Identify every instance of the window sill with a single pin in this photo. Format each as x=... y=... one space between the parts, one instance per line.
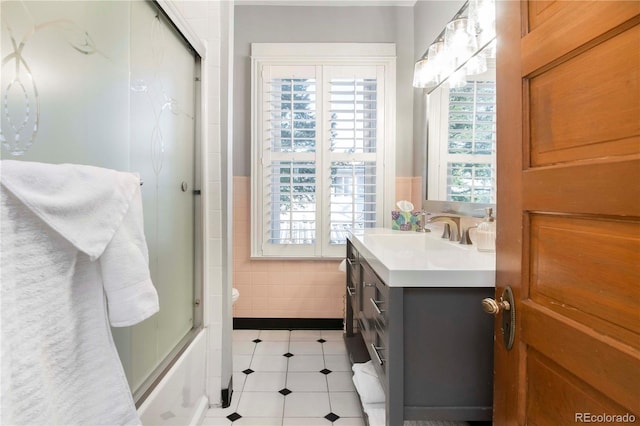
x=293 y=258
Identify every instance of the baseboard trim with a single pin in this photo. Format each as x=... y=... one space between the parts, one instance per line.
x=287 y=323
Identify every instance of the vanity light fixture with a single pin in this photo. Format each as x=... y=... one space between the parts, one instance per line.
x=482 y=20
x=459 y=42
x=421 y=77
x=455 y=52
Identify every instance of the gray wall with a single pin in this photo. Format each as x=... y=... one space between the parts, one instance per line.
x=412 y=29
x=429 y=19
x=299 y=24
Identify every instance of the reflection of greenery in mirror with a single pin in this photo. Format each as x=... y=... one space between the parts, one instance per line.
x=462 y=138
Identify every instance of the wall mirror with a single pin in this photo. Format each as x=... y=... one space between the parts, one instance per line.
x=457 y=73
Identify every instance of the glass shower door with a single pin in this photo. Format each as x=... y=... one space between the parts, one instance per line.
x=112 y=84
x=162 y=150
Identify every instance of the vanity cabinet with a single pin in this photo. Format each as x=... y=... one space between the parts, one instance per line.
x=432 y=347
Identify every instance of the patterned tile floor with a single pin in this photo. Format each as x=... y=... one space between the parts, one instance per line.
x=289 y=378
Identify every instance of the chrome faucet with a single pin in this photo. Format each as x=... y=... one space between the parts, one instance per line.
x=451 y=226
x=422 y=227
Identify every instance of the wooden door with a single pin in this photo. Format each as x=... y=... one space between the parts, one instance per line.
x=569 y=211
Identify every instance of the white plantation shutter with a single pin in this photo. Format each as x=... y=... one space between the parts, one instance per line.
x=353 y=107
x=353 y=198
x=471 y=182
x=318 y=150
x=291 y=204
x=355 y=135
x=289 y=160
x=471 y=143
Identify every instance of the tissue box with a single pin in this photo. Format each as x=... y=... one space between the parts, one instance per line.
x=405 y=221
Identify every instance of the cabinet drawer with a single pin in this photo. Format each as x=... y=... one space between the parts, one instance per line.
x=374 y=318
x=354 y=282
x=379 y=355
x=374 y=298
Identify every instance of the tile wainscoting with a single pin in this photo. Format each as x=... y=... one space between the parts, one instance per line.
x=289 y=288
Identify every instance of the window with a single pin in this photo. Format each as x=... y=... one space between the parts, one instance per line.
x=322 y=149
x=463 y=120
x=471 y=142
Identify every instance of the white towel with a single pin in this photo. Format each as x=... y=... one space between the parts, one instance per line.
x=375 y=413
x=366 y=368
x=366 y=381
x=72 y=244
x=342 y=267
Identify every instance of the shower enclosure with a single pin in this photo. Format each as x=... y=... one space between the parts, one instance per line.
x=113 y=84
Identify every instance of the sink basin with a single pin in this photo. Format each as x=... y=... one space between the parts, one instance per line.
x=413 y=242
x=424 y=259
x=427 y=249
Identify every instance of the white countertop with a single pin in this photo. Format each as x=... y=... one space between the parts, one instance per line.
x=413 y=259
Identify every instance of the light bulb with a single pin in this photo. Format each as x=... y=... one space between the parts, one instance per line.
x=459 y=42
x=440 y=62
x=482 y=19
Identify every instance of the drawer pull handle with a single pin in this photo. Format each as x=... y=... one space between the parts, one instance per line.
x=375 y=305
x=377 y=354
x=351 y=262
x=369 y=284
x=351 y=291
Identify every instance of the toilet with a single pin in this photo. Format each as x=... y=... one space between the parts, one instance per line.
x=235 y=294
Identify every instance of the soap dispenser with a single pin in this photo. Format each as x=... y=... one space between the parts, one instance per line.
x=486 y=232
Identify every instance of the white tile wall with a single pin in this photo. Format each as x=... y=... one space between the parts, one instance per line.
x=207 y=19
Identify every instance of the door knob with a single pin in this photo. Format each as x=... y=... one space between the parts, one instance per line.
x=492 y=307
x=506 y=306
